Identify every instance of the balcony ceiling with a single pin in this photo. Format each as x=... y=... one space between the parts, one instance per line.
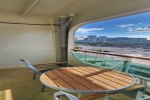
x=57 y=8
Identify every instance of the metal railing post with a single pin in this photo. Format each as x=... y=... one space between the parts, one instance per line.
x=96 y=58
x=126 y=65
x=85 y=55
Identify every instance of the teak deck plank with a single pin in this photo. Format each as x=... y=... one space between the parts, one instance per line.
x=115 y=77
x=118 y=77
x=58 y=81
x=121 y=75
x=94 y=75
x=87 y=79
x=81 y=80
x=106 y=77
x=48 y=80
x=94 y=81
x=116 y=74
x=70 y=81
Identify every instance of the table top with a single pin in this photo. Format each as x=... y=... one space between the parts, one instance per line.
x=87 y=80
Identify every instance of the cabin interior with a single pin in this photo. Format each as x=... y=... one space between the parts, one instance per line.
x=43 y=31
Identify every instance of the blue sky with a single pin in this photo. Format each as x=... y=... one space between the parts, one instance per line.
x=130 y=26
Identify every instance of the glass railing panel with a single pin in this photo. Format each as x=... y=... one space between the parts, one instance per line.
x=136 y=66
x=114 y=62
x=79 y=55
x=90 y=58
x=140 y=68
x=100 y=60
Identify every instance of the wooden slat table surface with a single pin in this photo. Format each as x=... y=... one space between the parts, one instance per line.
x=87 y=80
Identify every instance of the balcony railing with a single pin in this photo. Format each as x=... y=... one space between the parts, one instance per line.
x=137 y=66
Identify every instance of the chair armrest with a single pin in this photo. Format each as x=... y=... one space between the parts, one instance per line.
x=60 y=93
x=20 y=62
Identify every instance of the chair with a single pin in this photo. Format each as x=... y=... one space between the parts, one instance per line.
x=35 y=70
x=134 y=88
x=60 y=93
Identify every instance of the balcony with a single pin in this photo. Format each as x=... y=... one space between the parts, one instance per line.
x=17 y=83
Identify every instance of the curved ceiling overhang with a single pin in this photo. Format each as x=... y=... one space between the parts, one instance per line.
x=86 y=11
x=56 y=8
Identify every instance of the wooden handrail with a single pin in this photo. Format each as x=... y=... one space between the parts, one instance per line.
x=120 y=55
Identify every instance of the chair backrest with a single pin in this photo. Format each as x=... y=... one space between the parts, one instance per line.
x=29 y=65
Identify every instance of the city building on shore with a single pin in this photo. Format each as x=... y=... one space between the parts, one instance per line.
x=102 y=39
x=92 y=38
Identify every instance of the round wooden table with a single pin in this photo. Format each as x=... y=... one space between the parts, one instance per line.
x=87 y=80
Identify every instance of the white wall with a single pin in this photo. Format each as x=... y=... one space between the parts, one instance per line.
x=30 y=42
